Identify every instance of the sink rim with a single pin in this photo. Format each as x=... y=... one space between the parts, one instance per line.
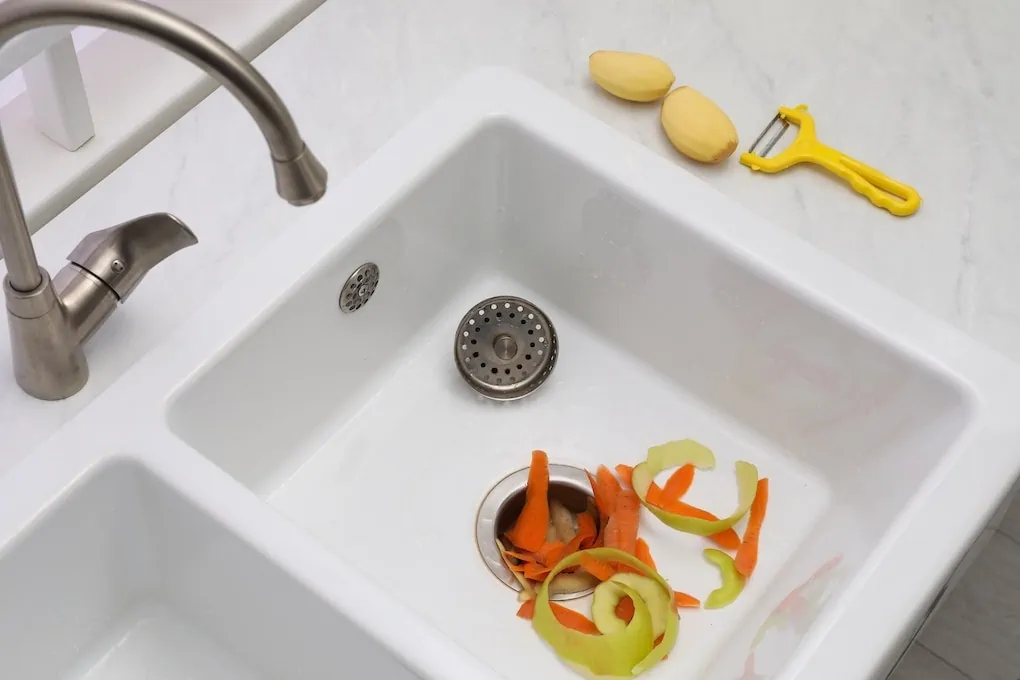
x=877 y=606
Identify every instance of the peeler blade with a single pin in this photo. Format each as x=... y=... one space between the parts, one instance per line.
x=784 y=126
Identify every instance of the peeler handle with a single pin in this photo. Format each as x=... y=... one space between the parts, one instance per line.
x=883 y=191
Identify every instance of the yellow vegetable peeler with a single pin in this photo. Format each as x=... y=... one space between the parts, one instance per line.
x=898 y=198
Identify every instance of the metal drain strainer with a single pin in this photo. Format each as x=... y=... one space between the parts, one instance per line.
x=359 y=288
x=505 y=348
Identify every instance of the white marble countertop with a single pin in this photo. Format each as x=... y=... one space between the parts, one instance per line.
x=922 y=90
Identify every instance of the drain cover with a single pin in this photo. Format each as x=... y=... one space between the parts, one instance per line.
x=359 y=288
x=505 y=348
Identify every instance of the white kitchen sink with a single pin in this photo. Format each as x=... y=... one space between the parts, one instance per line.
x=125 y=578
x=344 y=452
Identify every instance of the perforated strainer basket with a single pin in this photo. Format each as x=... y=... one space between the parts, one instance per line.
x=505 y=348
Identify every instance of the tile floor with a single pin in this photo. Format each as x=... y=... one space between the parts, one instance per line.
x=975 y=635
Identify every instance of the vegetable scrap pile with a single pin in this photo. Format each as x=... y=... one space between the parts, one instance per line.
x=634 y=622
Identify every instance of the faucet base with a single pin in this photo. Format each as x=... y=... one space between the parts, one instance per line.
x=48 y=360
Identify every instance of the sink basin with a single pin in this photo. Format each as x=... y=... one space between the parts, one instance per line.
x=126 y=578
x=337 y=434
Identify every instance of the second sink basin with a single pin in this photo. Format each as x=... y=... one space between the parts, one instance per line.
x=336 y=402
x=125 y=578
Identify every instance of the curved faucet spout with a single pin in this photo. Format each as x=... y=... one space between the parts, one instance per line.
x=49 y=323
x=178 y=35
x=300 y=178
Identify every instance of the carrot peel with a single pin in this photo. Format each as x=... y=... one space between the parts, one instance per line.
x=685 y=600
x=574 y=620
x=527 y=610
x=654 y=493
x=726 y=539
x=600 y=569
x=550 y=553
x=624 y=609
x=680 y=453
x=624 y=472
x=644 y=554
x=747 y=554
x=678 y=483
x=609 y=488
x=566 y=616
x=535 y=571
x=622 y=528
x=522 y=556
x=587 y=532
x=528 y=532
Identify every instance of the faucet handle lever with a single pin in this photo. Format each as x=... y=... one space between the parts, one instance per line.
x=123 y=254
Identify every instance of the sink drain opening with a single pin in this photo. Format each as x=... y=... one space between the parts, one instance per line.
x=568 y=487
x=505 y=347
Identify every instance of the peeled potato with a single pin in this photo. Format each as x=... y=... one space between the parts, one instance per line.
x=697 y=127
x=563 y=522
x=631 y=76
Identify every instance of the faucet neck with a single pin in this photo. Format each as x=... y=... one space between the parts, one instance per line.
x=299 y=176
x=49 y=323
x=15 y=240
x=177 y=35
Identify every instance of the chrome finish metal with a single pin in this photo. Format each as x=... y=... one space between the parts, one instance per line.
x=300 y=180
x=49 y=362
x=505 y=348
x=503 y=503
x=359 y=288
x=120 y=256
x=87 y=300
x=49 y=322
x=15 y=239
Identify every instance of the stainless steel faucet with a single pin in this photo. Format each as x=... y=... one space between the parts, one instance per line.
x=50 y=320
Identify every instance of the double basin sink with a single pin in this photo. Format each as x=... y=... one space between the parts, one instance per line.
x=287 y=487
